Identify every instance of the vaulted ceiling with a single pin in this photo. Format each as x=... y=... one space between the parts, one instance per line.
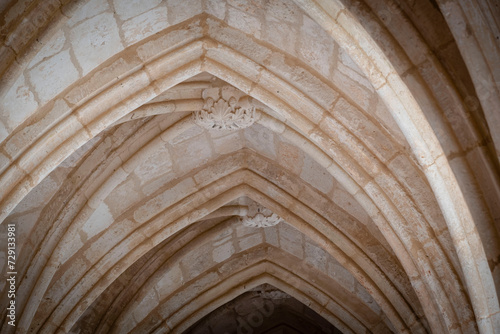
x=369 y=128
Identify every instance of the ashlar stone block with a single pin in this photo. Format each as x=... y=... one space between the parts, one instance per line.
x=95 y=40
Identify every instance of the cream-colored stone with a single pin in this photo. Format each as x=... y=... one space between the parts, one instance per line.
x=95 y=40
x=130 y=8
x=281 y=35
x=291 y=240
x=43 y=76
x=261 y=140
x=169 y=281
x=85 y=10
x=18 y=103
x=145 y=25
x=181 y=10
x=148 y=302
x=316 y=175
x=290 y=157
x=100 y=220
x=223 y=252
x=3 y=134
x=156 y=164
x=228 y=144
x=244 y=21
x=54 y=46
x=191 y=153
x=168 y=197
x=39 y=195
x=250 y=241
x=316 y=47
x=216 y=8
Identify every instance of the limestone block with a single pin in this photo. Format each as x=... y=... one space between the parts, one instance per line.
x=341 y=275
x=158 y=183
x=188 y=134
x=359 y=161
x=216 y=8
x=197 y=261
x=228 y=144
x=191 y=153
x=107 y=245
x=282 y=11
x=54 y=46
x=242 y=230
x=407 y=174
x=39 y=195
x=130 y=8
x=123 y=196
x=315 y=255
x=362 y=96
x=219 y=168
x=290 y=157
x=244 y=21
x=223 y=252
x=233 y=38
x=281 y=35
x=348 y=203
x=250 y=241
x=4 y=161
x=185 y=296
x=271 y=236
x=169 y=41
x=367 y=298
x=3 y=134
x=157 y=163
x=103 y=77
x=164 y=200
x=291 y=240
x=235 y=61
x=18 y=104
x=385 y=119
x=181 y=10
x=351 y=70
x=317 y=176
x=316 y=47
x=145 y=25
x=14 y=11
x=342 y=313
x=128 y=324
x=98 y=221
x=95 y=40
x=53 y=75
x=222 y=237
x=318 y=95
x=363 y=128
x=169 y=281
x=80 y=11
x=24 y=226
x=147 y=303
x=261 y=140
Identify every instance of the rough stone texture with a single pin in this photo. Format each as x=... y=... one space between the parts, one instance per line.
x=374 y=141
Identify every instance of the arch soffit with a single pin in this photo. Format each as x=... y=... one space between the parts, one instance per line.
x=224 y=195
x=157 y=266
x=212 y=64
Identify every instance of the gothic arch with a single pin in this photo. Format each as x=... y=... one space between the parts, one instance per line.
x=447 y=243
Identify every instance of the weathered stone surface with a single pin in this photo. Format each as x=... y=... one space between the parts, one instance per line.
x=373 y=140
x=95 y=40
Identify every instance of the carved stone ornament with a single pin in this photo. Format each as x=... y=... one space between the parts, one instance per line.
x=262 y=218
x=225 y=108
